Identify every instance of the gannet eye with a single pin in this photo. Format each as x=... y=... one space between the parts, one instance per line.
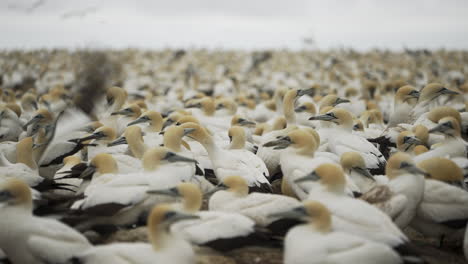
x=5 y=196
x=331 y=114
x=404 y=164
x=169 y=215
x=448 y=124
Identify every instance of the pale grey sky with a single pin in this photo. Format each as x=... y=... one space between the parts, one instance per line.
x=247 y=24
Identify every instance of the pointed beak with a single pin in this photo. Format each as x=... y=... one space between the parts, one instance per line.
x=439 y=128
x=124 y=112
x=325 y=117
x=88 y=172
x=172 y=192
x=365 y=172
x=448 y=91
x=188 y=131
x=295 y=213
x=178 y=216
x=33 y=121
x=140 y=120
x=167 y=123
x=303 y=92
x=96 y=135
x=281 y=143
x=119 y=141
x=173 y=157
x=411 y=141
x=415 y=170
x=340 y=101
x=414 y=94
x=309 y=177
x=244 y=122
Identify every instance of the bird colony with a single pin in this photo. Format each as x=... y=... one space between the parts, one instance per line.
x=321 y=157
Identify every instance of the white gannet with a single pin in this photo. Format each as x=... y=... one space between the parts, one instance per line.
x=26 y=238
x=443 y=210
x=348 y=214
x=216 y=229
x=401 y=196
x=317 y=241
x=164 y=247
x=257 y=206
x=341 y=140
x=226 y=163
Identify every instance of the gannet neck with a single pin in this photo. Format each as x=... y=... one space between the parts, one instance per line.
x=24 y=153
x=288 y=106
x=136 y=144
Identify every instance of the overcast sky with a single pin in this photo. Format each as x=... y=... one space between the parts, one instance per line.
x=247 y=24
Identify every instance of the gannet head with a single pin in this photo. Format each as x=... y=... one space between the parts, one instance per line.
x=152 y=117
x=421 y=132
x=371 y=117
x=198 y=132
x=434 y=90
x=332 y=100
x=159 y=221
x=353 y=161
x=406 y=140
x=132 y=111
x=313 y=212
x=42 y=117
x=279 y=123
x=207 y=104
x=306 y=107
x=116 y=96
x=448 y=126
x=237 y=185
x=237 y=120
x=91 y=127
x=161 y=155
x=420 y=149
x=300 y=139
x=227 y=104
x=173 y=137
x=407 y=94
x=103 y=133
x=328 y=175
x=341 y=117
x=103 y=163
x=357 y=125
x=443 y=111
x=15 y=192
x=401 y=163
x=172 y=118
x=442 y=169
x=237 y=137
x=271 y=105
x=15 y=108
x=28 y=102
x=190 y=193
x=351 y=92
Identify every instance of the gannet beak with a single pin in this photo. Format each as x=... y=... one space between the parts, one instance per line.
x=295 y=213
x=364 y=172
x=33 y=121
x=325 y=117
x=124 y=112
x=167 y=123
x=281 y=143
x=119 y=141
x=88 y=172
x=411 y=141
x=412 y=169
x=173 y=192
x=340 y=101
x=245 y=122
x=305 y=92
x=140 y=120
x=309 y=177
x=414 y=94
x=5 y=196
x=96 y=135
x=172 y=157
x=188 y=131
x=35 y=146
x=177 y=216
x=439 y=128
x=447 y=91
